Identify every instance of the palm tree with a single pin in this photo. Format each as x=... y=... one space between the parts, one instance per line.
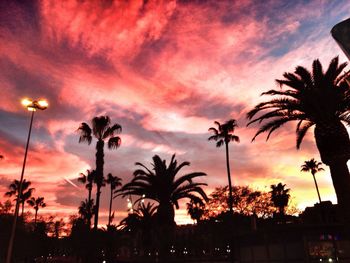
x=314 y=98
x=195 y=210
x=142 y=218
x=36 y=203
x=85 y=210
x=280 y=197
x=114 y=182
x=88 y=180
x=26 y=191
x=160 y=185
x=224 y=135
x=313 y=166
x=101 y=130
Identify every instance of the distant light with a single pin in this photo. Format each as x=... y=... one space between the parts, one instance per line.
x=330 y=260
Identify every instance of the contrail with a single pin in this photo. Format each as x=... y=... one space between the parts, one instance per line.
x=70 y=182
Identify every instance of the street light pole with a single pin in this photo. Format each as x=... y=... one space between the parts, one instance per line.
x=31 y=106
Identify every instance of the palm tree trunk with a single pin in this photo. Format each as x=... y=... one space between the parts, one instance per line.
x=230 y=201
x=110 y=208
x=97 y=206
x=35 y=217
x=341 y=182
x=89 y=212
x=318 y=192
x=99 y=179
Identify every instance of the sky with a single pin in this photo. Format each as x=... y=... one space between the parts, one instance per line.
x=164 y=71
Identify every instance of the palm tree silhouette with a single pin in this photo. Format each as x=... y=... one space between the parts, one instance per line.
x=141 y=218
x=88 y=180
x=160 y=185
x=85 y=210
x=314 y=98
x=280 y=197
x=224 y=135
x=114 y=182
x=102 y=130
x=26 y=191
x=36 y=203
x=195 y=210
x=313 y=166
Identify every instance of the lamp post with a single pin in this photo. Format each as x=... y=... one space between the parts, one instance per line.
x=31 y=105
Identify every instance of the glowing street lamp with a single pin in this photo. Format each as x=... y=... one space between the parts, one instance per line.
x=31 y=105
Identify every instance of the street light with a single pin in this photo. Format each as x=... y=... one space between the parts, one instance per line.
x=31 y=105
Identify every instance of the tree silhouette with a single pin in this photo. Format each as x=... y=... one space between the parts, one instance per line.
x=313 y=166
x=26 y=191
x=195 y=210
x=160 y=185
x=101 y=130
x=88 y=179
x=280 y=197
x=113 y=182
x=224 y=135
x=314 y=98
x=36 y=203
x=85 y=210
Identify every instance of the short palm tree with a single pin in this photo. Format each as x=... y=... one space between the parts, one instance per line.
x=195 y=210
x=280 y=197
x=88 y=180
x=224 y=135
x=319 y=99
x=313 y=166
x=102 y=130
x=113 y=182
x=36 y=203
x=26 y=191
x=85 y=210
x=161 y=185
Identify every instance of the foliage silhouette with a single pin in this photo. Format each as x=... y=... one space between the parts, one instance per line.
x=113 y=182
x=246 y=201
x=224 y=135
x=314 y=98
x=313 y=166
x=36 y=203
x=162 y=186
x=102 y=130
x=88 y=179
x=195 y=210
x=280 y=197
x=26 y=191
x=85 y=210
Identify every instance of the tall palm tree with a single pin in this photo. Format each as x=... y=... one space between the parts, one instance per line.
x=102 y=130
x=280 y=197
x=313 y=166
x=36 y=203
x=26 y=191
x=314 y=98
x=113 y=182
x=161 y=185
x=224 y=135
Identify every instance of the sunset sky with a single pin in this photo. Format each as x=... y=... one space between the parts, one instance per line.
x=165 y=71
